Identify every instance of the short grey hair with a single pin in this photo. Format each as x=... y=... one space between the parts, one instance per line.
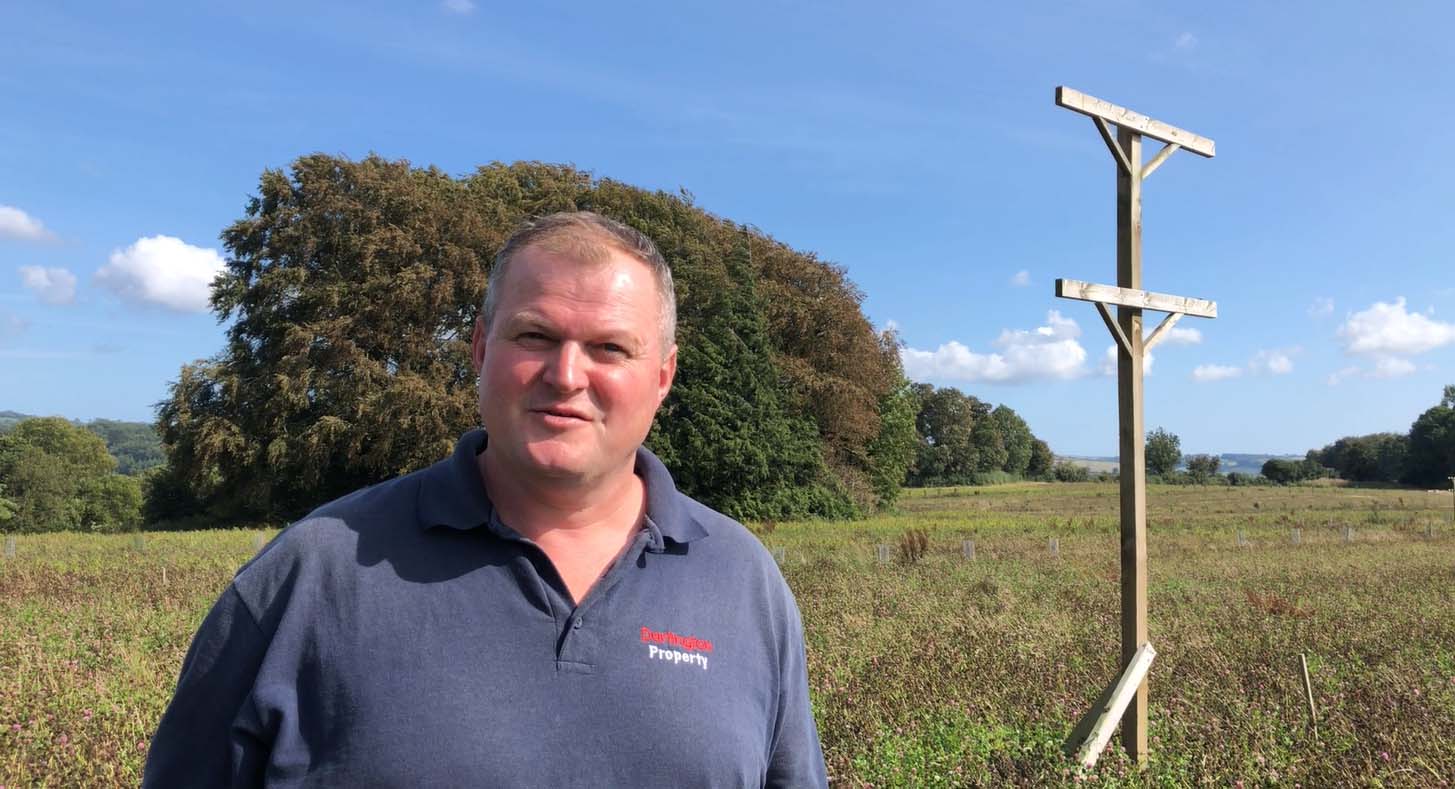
x=588 y=237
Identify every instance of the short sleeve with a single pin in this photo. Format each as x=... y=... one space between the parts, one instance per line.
x=201 y=740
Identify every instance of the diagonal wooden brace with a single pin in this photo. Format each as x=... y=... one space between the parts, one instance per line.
x=1092 y=733
x=1116 y=150
x=1115 y=328
x=1160 y=333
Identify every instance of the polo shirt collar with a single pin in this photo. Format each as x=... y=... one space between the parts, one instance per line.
x=452 y=494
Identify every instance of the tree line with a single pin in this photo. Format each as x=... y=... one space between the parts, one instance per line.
x=1424 y=456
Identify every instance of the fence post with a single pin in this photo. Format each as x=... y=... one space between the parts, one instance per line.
x=1296 y=536
x=1242 y=539
x=138 y=542
x=1055 y=547
x=9 y=547
x=882 y=553
x=967 y=549
x=1348 y=533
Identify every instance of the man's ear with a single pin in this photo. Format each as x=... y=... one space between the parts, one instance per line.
x=666 y=374
x=477 y=345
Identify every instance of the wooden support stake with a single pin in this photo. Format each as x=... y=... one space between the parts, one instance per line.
x=1308 y=692
x=882 y=553
x=1295 y=536
x=1091 y=735
x=1055 y=547
x=967 y=549
x=9 y=547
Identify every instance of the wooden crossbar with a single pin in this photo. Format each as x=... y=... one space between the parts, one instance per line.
x=1077 y=101
x=1130 y=297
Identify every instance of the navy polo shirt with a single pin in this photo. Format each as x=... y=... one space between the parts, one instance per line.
x=404 y=636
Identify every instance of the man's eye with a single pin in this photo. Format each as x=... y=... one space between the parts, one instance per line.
x=532 y=338
x=612 y=349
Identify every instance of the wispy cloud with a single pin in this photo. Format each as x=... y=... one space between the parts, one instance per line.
x=1215 y=372
x=1180 y=336
x=15 y=223
x=1272 y=362
x=1021 y=279
x=11 y=326
x=162 y=271
x=461 y=7
x=1185 y=41
x=1322 y=307
x=1046 y=352
x=50 y=285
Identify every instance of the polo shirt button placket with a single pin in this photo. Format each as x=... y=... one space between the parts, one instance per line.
x=576 y=625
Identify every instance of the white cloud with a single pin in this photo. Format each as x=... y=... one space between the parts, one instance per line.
x=461 y=7
x=1389 y=329
x=1347 y=372
x=1322 y=307
x=1180 y=336
x=1392 y=367
x=164 y=271
x=1215 y=372
x=1273 y=362
x=1186 y=41
x=15 y=223
x=51 y=285
x=1046 y=352
x=891 y=325
x=1021 y=279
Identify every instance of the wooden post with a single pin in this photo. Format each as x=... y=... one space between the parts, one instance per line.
x=1127 y=329
x=967 y=549
x=882 y=553
x=9 y=547
x=1133 y=437
x=1295 y=535
x=1054 y=546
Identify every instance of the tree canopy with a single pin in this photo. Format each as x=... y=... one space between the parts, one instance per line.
x=55 y=476
x=351 y=288
x=1164 y=452
x=962 y=439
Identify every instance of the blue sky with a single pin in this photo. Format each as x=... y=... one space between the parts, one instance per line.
x=917 y=145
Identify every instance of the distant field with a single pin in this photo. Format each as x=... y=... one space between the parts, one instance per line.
x=939 y=673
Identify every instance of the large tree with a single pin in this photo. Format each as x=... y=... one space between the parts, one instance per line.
x=725 y=425
x=350 y=290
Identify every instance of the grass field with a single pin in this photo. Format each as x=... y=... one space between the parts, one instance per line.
x=941 y=672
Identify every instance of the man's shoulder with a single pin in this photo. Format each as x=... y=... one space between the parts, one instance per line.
x=327 y=543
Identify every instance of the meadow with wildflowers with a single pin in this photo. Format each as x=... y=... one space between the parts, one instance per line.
x=930 y=668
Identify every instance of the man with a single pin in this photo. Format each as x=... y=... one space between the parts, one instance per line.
x=541 y=609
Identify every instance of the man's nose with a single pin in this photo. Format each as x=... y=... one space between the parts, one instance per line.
x=566 y=368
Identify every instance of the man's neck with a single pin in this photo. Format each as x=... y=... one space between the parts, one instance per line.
x=536 y=506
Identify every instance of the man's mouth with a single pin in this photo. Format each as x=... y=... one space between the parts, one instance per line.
x=562 y=413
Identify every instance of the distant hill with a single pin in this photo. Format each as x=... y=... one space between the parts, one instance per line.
x=135 y=445
x=1241 y=462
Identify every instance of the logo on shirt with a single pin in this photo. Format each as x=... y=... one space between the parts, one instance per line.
x=675 y=649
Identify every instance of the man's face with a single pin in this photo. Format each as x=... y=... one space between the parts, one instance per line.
x=572 y=369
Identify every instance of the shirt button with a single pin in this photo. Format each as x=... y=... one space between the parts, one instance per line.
x=577 y=624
